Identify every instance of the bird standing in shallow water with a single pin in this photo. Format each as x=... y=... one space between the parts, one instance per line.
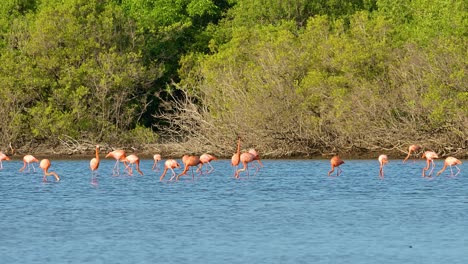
x=429 y=156
x=170 y=164
x=383 y=159
x=206 y=159
x=257 y=158
x=157 y=159
x=3 y=157
x=245 y=158
x=450 y=161
x=27 y=160
x=236 y=157
x=189 y=161
x=94 y=163
x=45 y=165
x=118 y=155
x=335 y=162
x=132 y=160
x=413 y=149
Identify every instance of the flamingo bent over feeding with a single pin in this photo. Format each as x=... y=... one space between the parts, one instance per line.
x=257 y=158
x=44 y=165
x=206 y=159
x=27 y=160
x=189 y=161
x=429 y=156
x=335 y=162
x=170 y=164
x=450 y=161
x=132 y=160
x=118 y=155
x=157 y=159
x=413 y=149
x=383 y=159
x=245 y=158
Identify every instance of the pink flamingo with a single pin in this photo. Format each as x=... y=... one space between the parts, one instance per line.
x=27 y=160
x=412 y=149
x=450 y=161
x=236 y=157
x=257 y=158
x=3 y=157
x=189 y=161
x=429 y=156
x=44 y=165
x=132 y=160
x=94 y=163
x=383 y=159
x=335 y=162
x=118 y=155
x=170 y=164
x=157 y=159
x=245 y=158
x=205 y=159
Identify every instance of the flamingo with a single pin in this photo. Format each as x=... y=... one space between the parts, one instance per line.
x=412 y=149
x=27 y=160
x=257 y=158
x=170 y=164
x=157 y=159
x=189 y=161
x=205 y=159
x=429 y=156
x=118 y=155
x=335 y=162
x=44 y=165
x=3 y=157
x=236 y=157
x=132 y=159
x=383 y=159
x=94 y=163
x=450 y=161
x=245 y=158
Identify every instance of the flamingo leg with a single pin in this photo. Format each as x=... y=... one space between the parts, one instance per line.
x=338 y=171
x=457 y=169
x=432 y=168
x=211 y=170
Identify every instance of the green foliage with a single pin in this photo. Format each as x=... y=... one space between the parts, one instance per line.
x=290 y=76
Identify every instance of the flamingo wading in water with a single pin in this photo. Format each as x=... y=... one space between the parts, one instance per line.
x=235 y=160
x=383 y=159
x=429 y=156
x=27 y=160
x=94 y=163
x=132 y=160
x=206 y=159
x=450 y=161
x=245 y=158
x=170 y=164
x=118 y=155
x=335 y=162
x=189 y=161
x=45 y=165
x=157 y=159
x=257 y=158
x=3 y=157
x=412 y=150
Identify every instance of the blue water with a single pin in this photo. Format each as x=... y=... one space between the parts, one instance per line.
x=290 y=212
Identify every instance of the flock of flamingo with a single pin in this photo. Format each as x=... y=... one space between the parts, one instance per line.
x=245 y=158
x=413 y=150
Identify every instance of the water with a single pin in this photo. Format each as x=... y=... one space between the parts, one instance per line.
x=290 y=212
